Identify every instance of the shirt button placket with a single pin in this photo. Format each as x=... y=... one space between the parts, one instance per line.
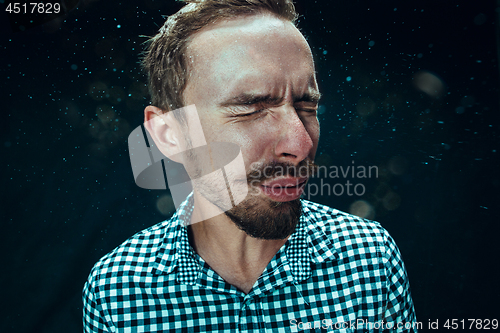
x=243 y=320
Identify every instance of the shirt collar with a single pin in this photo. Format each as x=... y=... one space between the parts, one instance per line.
x=318 y=226
x=175 y=249
x=309 y=244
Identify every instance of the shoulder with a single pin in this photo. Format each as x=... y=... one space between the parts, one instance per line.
x=135 y=256
x=338 y=224
x=345 y=232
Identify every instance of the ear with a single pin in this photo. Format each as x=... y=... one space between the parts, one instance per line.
x=165 y=131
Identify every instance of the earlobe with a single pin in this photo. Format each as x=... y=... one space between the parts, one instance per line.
x=164 y=130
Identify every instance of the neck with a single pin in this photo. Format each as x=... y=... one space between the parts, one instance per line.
x=238 y=258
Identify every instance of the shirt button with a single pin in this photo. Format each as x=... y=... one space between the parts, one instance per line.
x=245 y=304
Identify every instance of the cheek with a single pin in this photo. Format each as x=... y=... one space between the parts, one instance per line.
x=254 y=141
x=314 y=133
x=251 y=142
x=312 y=128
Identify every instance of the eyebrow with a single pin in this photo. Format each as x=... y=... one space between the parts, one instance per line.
x=312 y=96
x=251 y=99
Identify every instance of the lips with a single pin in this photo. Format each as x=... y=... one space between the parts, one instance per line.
x=284 y=189
x=285 y=182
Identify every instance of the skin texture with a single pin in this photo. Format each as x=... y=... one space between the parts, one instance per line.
x=253 y=83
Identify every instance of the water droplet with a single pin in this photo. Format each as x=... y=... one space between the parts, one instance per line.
x=480 y=19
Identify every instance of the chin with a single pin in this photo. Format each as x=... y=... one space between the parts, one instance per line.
x=266 y=219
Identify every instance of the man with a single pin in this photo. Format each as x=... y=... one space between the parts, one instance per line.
x=271 y=262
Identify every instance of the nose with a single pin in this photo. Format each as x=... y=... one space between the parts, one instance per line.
x=294 y=142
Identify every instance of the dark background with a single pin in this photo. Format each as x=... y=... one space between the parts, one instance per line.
x=71 y=91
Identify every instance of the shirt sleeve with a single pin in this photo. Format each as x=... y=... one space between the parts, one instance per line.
x=93 y=319
x=399 y=311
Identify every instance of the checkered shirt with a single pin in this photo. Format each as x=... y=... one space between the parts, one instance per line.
x=336 y=273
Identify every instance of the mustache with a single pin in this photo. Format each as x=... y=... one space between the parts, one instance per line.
x=261 y=172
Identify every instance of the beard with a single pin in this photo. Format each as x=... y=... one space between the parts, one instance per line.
x=257 y=215
x=262 y=218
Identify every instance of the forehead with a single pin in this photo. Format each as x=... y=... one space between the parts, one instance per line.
x=243 y=31
x=250 y=50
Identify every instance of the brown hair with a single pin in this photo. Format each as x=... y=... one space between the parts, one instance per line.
x=164 y=58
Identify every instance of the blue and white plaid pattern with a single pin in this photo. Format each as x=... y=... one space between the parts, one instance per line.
x=336 y=270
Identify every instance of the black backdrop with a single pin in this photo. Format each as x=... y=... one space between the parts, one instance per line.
x=72 y=91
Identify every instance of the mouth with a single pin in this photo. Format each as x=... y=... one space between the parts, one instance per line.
x=284 y=189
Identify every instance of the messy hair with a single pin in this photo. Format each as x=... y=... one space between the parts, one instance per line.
x=164 y=59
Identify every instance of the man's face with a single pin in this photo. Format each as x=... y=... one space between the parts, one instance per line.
x=253 y=83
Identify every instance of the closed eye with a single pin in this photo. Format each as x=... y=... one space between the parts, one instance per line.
x=307 y=112
x=256 y=112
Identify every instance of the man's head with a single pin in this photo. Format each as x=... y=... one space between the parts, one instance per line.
x=250 y=73
x=166 y=62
